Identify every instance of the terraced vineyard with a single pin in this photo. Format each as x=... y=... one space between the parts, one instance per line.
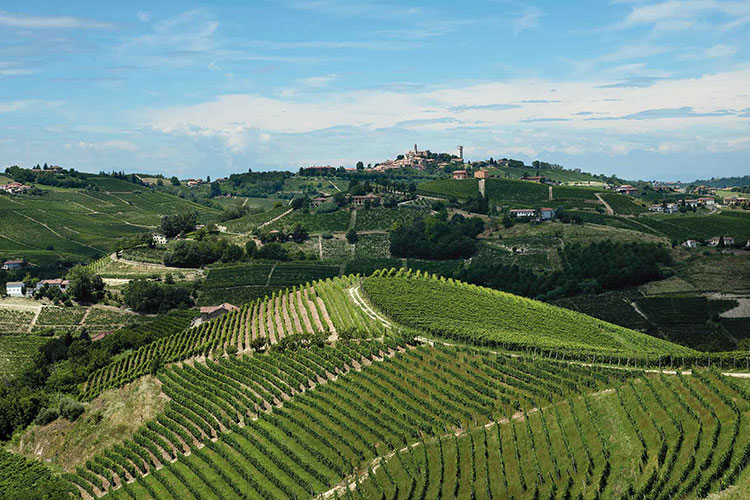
x=657 y=437
x=295 y=424
x=325 y=307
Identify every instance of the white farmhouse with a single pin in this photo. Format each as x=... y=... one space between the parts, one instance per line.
x=14 y=288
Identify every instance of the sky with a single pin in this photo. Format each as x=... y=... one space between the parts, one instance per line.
x=645 y=90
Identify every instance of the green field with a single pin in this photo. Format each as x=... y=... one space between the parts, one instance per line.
x=448 y=188
x=622 y=204
x=83 y=224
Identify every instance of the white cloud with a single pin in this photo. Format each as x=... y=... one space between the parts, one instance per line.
x=318 y=81
x=144 y=16
x=661 y=108
x=113 y=145
x=50 y=22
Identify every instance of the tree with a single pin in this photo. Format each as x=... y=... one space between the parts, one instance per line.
x=85 y=286
x=272 y=251
x=352 y=237
x=174 y=180
x=250 y=249
x=173 y=225
x=299 y=233
x=360 y=165
x=145 y=296
x=232 y=253
x=215 y=190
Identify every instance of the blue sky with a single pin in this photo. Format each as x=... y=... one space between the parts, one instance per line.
x=642 y=89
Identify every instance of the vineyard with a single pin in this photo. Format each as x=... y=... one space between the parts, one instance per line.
x=325 y=307
x=283 y=431
x=247 y=282
x=658 y=437
x=469 y=313
x=385 y=218
x=16 y=352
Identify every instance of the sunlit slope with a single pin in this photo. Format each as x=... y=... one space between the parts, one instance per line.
x=464 y=312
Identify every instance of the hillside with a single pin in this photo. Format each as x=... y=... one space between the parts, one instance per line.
x=468 y=313
x=323 y=388
x=76 y=224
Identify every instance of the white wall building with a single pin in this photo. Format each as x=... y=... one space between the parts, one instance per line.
x=14 y=288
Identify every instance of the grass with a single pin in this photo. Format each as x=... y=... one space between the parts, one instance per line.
x=249 y=222
x=717 y=273
x=622 y=204
x=681 y=227
x=60 y=316
x=448 y=188
x=108 y=419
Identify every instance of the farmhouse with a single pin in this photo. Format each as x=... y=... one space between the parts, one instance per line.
x=523 y=212
x=690 y=244
x=691 y=203
x=716 y=241
x=735 y=200
x=708 y=201
x=656 y=208
x=459 y=175
x=159 y=239
x=362 y=200
x=60 y=284
x=535 y=178
x=211 y=312
x=482 y=174
x=14 y=288
x=627 y=189
x=11 y=265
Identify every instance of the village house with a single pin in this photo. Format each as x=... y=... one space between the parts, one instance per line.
x=707 y=201
x=459 y=175
x=11 y=265
x=482 y=174
x=690 y=244
x=628 y=190
x=359 y=201
x=58 y=283
x=523 y=212
x=535 y=178
x=735 y=200
x=15 y=188
x=656 y=208
x=159 y=239
x=691 y=203
x=716 y=241
x=211 y=312
x=547 y=213
x=14 y=288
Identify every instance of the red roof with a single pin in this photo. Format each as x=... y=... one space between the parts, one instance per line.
x=57 y=281
x=212 y=309
x=13 y=262
x=547 y=209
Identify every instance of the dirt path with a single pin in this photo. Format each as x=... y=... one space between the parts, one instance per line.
x=550 y=193
x=606 y=205
x=352 y=220
x=277 y=218
x=320 y=246
x=273 y=268
x=303 y=312
x=334 y=334
x=334 y=186
x=369 y=311
x=314 y=312
x=292 y=308
x=85 y=316
x=482 y=187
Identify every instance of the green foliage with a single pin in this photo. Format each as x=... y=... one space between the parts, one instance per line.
x=180 y=223
x=146 y=296
x=431 y=238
